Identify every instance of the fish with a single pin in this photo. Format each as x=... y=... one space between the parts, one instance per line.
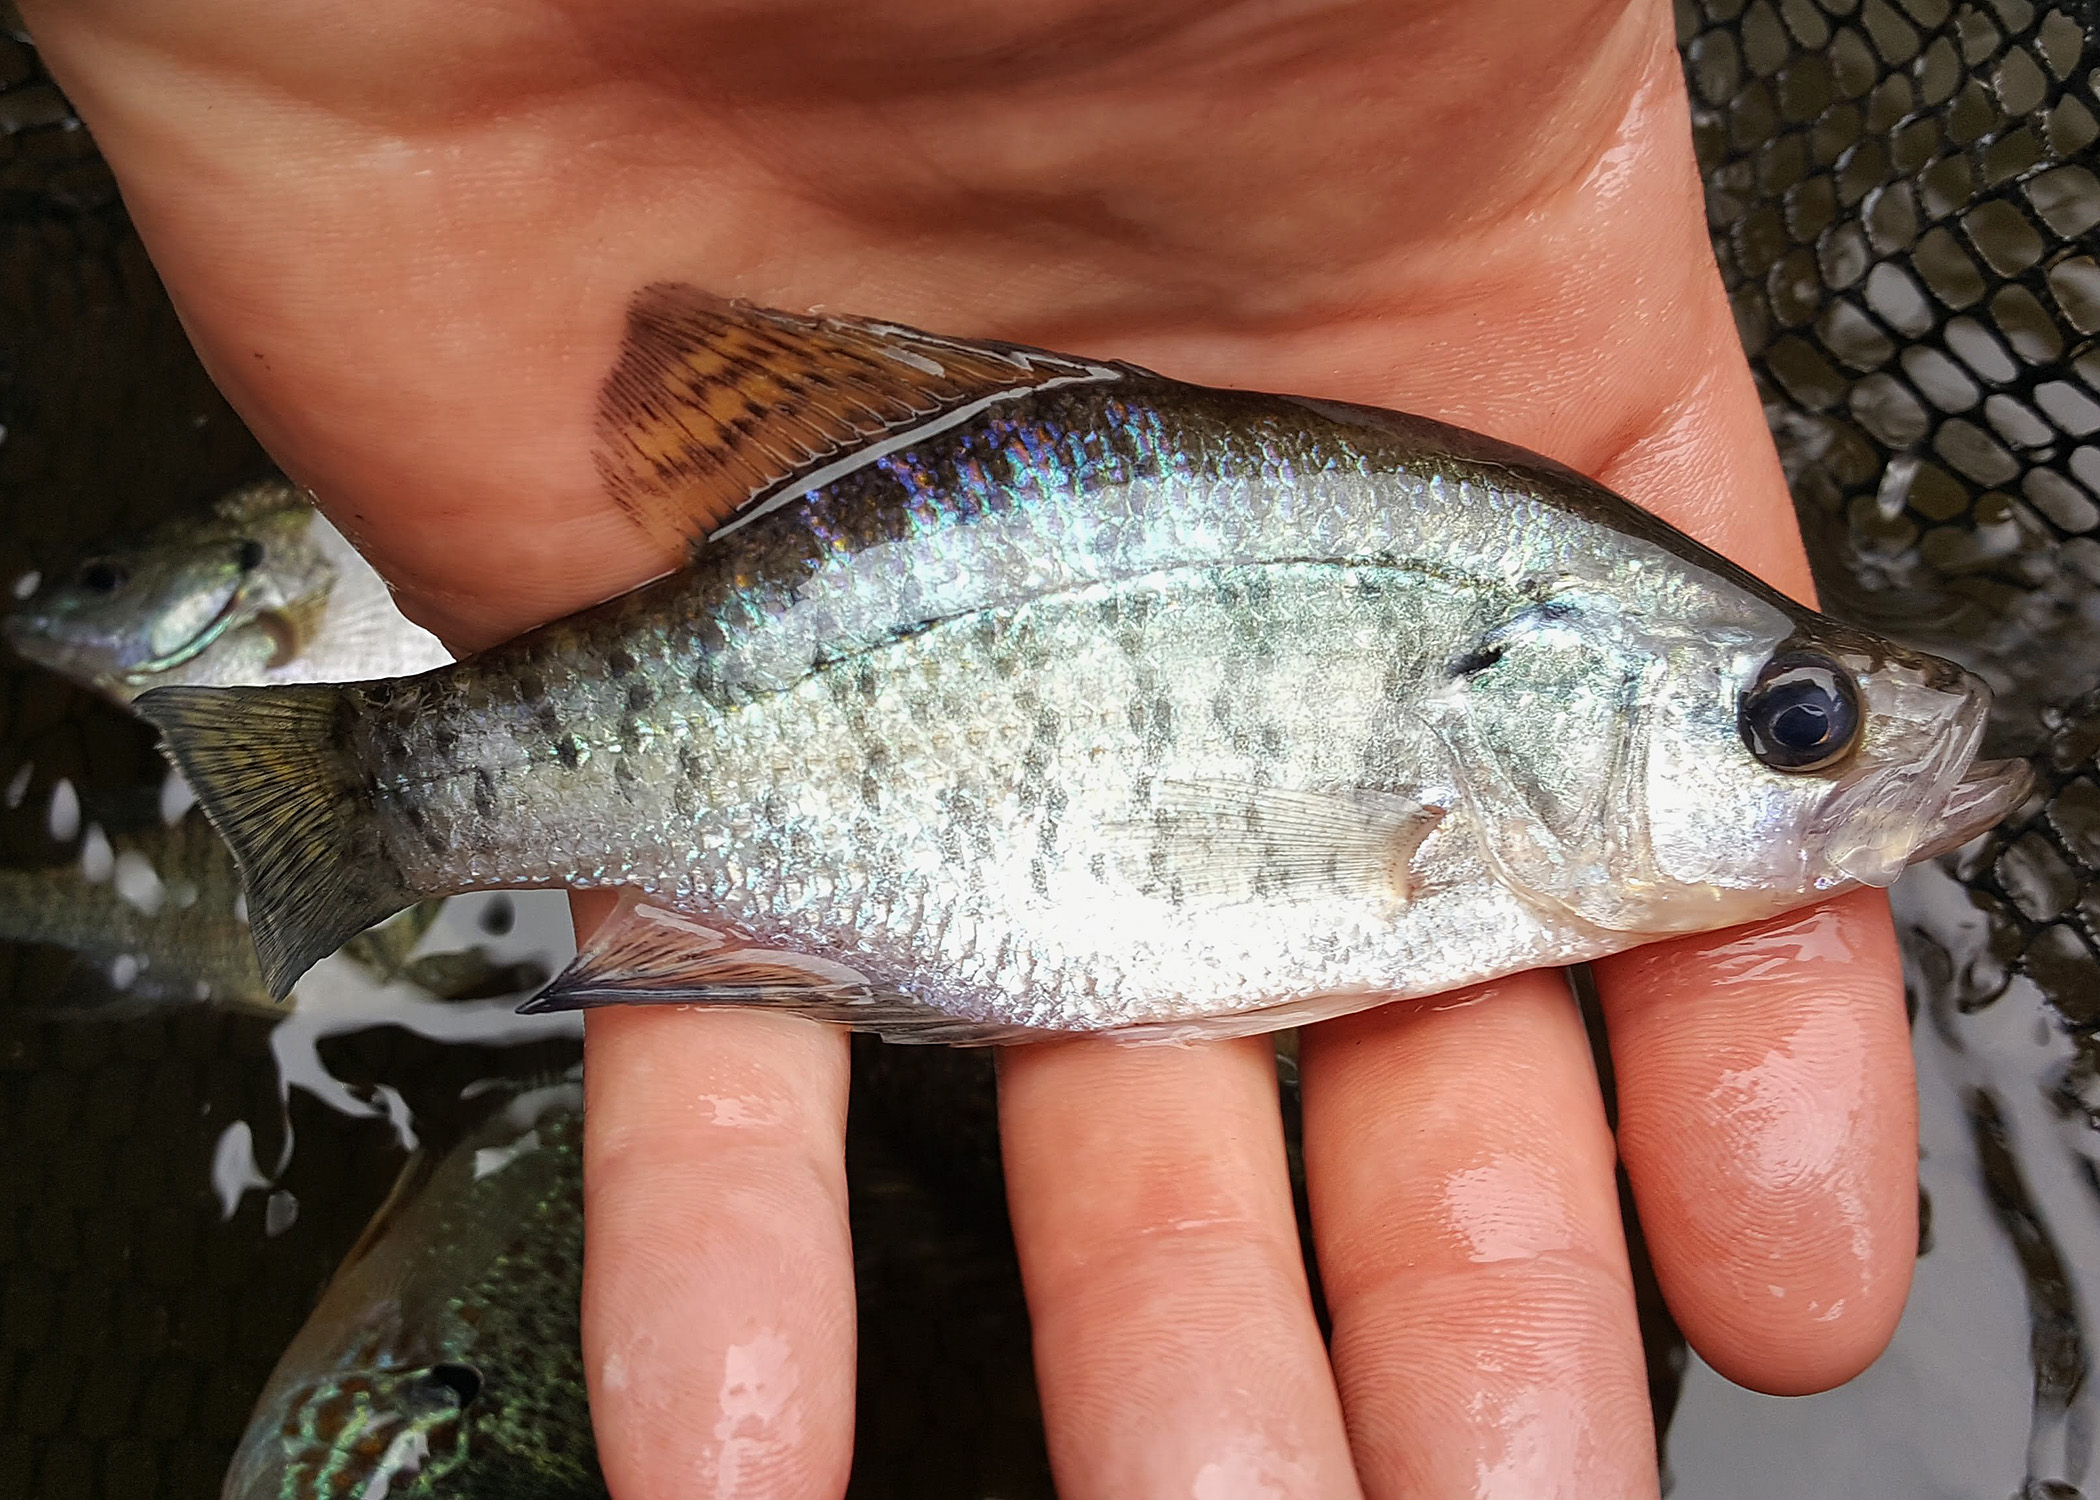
x=443 y=1361
x=258 y=588
x=445 y=1358
x=157 y=910
x=1006 y=693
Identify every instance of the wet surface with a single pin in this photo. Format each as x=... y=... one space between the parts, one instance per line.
x=1906 y=208
x=181 y=1180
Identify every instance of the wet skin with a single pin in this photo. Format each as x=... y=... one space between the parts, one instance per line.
x=404 y=235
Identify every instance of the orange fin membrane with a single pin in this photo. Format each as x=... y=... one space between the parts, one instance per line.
x=651 y=953
x=718 y=411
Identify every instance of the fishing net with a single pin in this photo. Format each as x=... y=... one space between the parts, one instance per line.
x=1903 y=198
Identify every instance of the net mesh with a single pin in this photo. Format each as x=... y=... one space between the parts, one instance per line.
x=1903 y=203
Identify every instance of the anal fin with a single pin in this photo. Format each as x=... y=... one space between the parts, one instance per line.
x=649 y=952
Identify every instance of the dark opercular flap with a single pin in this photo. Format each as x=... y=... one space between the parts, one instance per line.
x=717 y=407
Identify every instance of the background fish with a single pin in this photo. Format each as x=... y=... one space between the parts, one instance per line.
x=444 y=1359
x=443 y=1362
x=258 y=589
x=156 y=908
x=1098 y=700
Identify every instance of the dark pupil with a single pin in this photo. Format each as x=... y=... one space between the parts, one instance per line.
x=463 y=1381
x=251 y=556
x=1804 y=726
x=1802 y=714
x=102 y=575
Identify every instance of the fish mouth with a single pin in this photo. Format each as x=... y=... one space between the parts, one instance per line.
x=1985 y=796
x=1921 y=808
x=139 y=673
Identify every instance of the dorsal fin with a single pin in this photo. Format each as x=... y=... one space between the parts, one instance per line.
x=716 y=408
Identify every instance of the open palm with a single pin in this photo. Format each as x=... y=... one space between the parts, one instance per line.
x=403 y=234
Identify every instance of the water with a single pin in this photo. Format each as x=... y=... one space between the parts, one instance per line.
x=1905 y=209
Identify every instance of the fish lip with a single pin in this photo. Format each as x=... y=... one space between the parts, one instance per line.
x=1986 y=795
x=1973 y=796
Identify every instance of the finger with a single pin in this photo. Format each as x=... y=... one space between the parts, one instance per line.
x=1175 y=1343
x=1768 y=1120
x=718 y=1278
x=1464 y=1207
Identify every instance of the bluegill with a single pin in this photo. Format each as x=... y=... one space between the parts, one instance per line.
x=445 y=1358
x=1028 y=693
x=259 y=588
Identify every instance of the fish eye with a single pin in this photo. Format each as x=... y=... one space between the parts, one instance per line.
x=102 y=575
x=1802 y=713
x=462 y=1381
x=251 y=555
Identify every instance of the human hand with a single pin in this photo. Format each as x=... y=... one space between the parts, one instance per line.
x=404 y=234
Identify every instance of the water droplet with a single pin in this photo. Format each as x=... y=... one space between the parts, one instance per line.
x=63 y=821
x=97 y=860
x=25 y=584
x=18 y=785
x=280 y=1212
x=176 y=798
x=138 y=882
x=233 y=1169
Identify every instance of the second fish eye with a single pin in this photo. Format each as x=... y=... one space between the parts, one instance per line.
x=103 y=575
x=251 y=555
x=1802 y=713
x=460 y=1383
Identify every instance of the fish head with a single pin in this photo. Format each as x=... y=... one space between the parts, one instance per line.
x=410 y=1376
x=361 y=1431
x=143 y=606
x=1700 y=757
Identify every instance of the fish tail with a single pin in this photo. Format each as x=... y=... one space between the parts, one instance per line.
x=270 y=767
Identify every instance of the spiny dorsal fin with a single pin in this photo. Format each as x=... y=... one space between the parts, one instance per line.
x=716 y=407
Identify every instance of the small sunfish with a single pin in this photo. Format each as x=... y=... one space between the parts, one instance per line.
x=1027 y=693
x=444 y=1359
x=257 y=589
x=155 y=909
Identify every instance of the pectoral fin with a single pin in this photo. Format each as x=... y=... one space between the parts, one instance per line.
x=717 y=408
x=1219 y=840
x=649 y=952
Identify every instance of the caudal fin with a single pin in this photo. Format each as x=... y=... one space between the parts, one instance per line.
x=270 y=770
